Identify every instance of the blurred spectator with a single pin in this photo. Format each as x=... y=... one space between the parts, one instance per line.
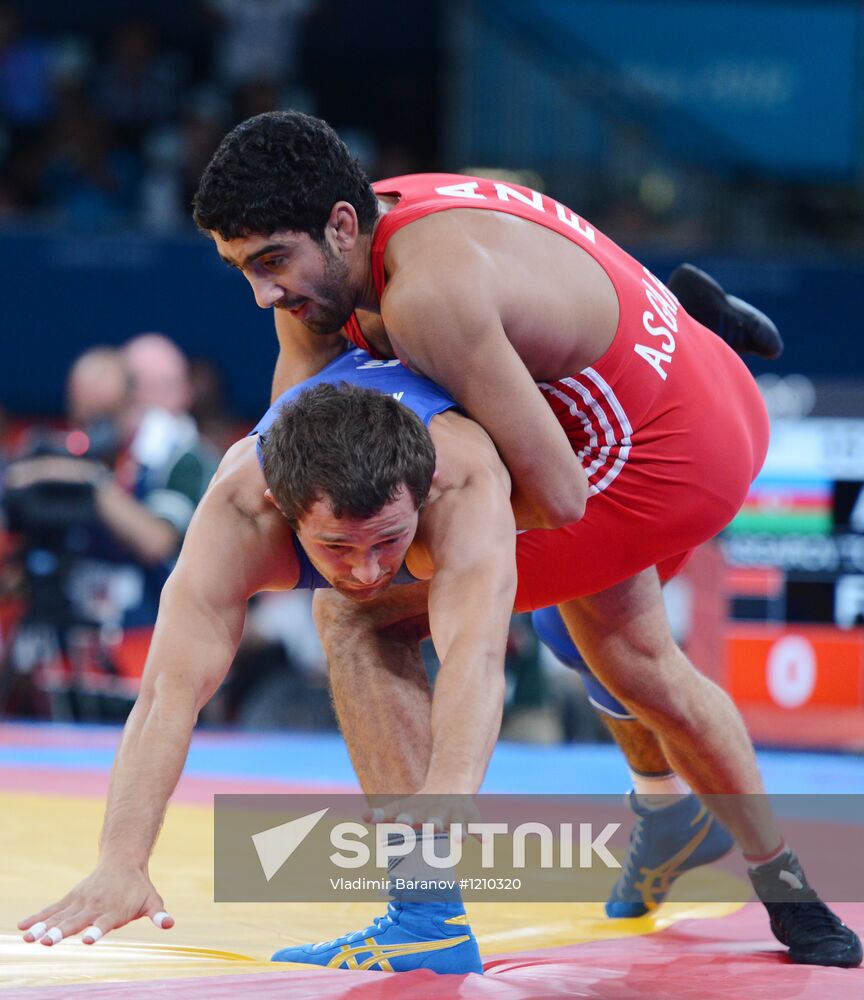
x=137 y=474
x=86 y=183
x=138 y=87
x=173 y=464
x=215 y=421
x=254 y=97
x=26 y=99
x=160 y=373
x=201 y=131
x=259 y=40
x=176 y=156
x=101 y=513
x=26 y=105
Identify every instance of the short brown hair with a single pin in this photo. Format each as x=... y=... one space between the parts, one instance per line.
x=352 y=446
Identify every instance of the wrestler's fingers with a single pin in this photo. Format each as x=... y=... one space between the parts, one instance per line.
x=91 y=934
x=380 y=814
x=154 y=908
x=42 y=916
x=35 y=931
x=40 y=929
x=75 y=919
x=51 y=937
x=62 y=925
x=96 y=926
x=162 y=919
x=100 y=926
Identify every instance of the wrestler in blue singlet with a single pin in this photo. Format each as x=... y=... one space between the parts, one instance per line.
x=357 y=367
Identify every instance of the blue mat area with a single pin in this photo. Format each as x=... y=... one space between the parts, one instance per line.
x=322 y=758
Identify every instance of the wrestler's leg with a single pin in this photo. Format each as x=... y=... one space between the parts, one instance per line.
x=378 y=683
x=672 y=832
x=381 y=694
x=382 y=700
x=624 y=635
x=640 y=746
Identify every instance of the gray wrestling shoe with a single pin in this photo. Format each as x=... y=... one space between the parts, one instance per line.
x=799 y=919
x=743 y=327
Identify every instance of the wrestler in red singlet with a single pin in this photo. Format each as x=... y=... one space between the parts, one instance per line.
x=669 y=424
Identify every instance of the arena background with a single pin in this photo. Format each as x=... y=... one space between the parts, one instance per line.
x=728 y=134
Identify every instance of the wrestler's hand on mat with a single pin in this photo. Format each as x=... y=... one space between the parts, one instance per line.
x=439 y=809
x=111 y=896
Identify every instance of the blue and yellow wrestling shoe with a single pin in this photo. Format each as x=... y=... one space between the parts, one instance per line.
x=427 y=935
x=664 y=844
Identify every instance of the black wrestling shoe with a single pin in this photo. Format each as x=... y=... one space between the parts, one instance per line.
x=799 y=919
x=744 y=328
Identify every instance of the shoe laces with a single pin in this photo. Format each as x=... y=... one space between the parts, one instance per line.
x=810 y=919
x=627 y=872
x=379 y=924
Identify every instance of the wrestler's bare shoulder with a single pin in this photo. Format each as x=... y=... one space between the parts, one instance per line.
x=462 y=446
x=465 y=235
x=239 y=484
x=235 y=516
x=558 y=306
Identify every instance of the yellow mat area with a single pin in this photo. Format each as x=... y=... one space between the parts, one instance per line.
x=48 y=843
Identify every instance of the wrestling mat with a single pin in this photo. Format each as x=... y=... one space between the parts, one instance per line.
x=52 y=785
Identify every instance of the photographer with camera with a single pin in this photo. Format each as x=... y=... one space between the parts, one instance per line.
x=101 y=514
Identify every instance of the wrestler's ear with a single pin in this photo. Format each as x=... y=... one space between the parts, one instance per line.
x=342 y=227
x=268 y=496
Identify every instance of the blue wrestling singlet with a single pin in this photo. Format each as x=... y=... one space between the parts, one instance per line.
x=357 y=367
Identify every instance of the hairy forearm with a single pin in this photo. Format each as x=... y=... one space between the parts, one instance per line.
x=470 y=620
x=146 y=771
x=193 y=646
x=151 y=539
x=302 y=354
x=547 y=494
x=466 y=717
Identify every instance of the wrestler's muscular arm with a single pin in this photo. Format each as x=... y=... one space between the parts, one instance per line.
x=443 y=320
x=470 y=536
x=200 y=622
x=302 y=353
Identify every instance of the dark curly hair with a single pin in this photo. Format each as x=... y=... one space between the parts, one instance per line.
x=282 y=170
x=353 y=446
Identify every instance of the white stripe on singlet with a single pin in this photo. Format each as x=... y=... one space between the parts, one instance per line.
x=575 y=411
x=607 y=397
x=626 y=442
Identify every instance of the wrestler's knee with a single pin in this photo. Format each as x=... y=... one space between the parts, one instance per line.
x=401 y=613
x=342 y=625
x=332 y=613
x=659 y=686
